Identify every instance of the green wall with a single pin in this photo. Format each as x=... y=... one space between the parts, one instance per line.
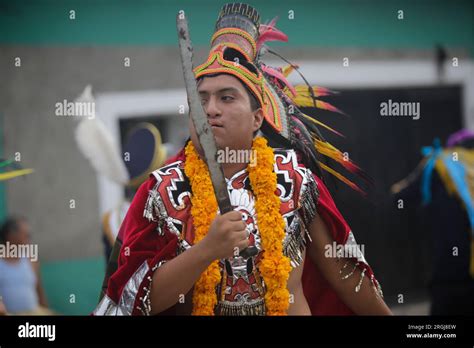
x=323 y=23
x=81 y=278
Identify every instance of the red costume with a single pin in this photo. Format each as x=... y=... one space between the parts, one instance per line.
x=158 y=226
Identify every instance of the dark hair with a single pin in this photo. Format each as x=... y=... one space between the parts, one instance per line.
x=10 y=225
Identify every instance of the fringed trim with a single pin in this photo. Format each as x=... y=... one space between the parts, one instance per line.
x=357 y=289
x=254 y=307
x=295 y=244
x=145 y=302
x=155 y=210
x=350 y=273
x=377 y=285
x=308 y=198
x=364 y=267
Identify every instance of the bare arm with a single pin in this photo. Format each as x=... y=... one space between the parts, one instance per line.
x=177 y=276
x=365 y=302
x=39 y=285
x=298 y=303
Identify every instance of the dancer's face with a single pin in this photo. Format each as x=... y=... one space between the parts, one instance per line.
x=227 y=105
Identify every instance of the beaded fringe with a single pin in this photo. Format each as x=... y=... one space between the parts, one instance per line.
x=373 y=281
x=295 y=245
x=145 y=306
x=242 y=309
x=309 y=199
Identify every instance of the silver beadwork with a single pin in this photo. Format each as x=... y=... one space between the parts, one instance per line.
x=309 y=196
x=295 y=242
x=145 y=306
x=242 y=307
x=357 y=289
x=351 y=272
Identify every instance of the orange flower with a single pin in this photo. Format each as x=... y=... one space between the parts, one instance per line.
x=274 y=266
x=203 y=211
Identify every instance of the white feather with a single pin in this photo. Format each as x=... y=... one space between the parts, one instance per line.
x=97 y=144
x=86 y=95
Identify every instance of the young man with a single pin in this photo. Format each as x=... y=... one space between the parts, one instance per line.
x=180 y=257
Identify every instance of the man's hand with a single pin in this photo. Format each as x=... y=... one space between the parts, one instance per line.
x=227 y=236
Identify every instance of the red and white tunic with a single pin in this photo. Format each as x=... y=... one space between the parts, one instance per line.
x=159 y=226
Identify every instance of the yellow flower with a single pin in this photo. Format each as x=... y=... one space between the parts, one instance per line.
x=274 y=266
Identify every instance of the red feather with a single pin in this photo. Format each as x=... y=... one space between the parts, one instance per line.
x=278 y=75
x=326 y=106
x=268 y=32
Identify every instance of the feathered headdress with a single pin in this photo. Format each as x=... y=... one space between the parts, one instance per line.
x=237 y=48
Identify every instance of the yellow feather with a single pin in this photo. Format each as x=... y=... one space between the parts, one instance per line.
x=287 y=70
x=14 y=173
x=340 y=177
x=444 y=176
x=321 y=124
x=328 y=150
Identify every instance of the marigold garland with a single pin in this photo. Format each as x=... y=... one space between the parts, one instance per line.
x=274 y=266
x=203 y=211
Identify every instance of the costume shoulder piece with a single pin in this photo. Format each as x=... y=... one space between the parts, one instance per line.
x=169 y=201
x=293 y=176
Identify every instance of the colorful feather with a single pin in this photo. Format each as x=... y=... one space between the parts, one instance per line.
x=268 y=32
x=288 y=69
x=12 y=169
x=304 y=134
x=302 y=141
x=278 y=75
x=319 y=123
x=326 y=106
x=5 y=163
x=318 y=91
x=342 y=178
x=98 y=145
x=330 y=151
x=304 y=99
x=14 y=173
